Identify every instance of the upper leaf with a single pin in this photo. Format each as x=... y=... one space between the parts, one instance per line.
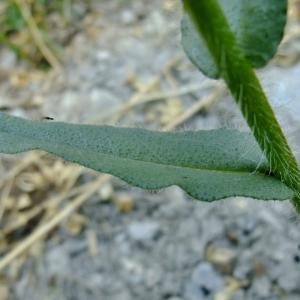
x=208 y=165
x=258 y=26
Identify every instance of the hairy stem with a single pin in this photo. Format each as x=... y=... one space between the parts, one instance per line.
x=244 y=85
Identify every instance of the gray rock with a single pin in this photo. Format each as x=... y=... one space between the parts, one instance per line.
x=289 y=279
x=194 y=292
x=8 y=60
x=261 y=286
x=144 y=231
x=238 y=295
x=58 y=261
x=292 y=297
x=245 y=265
x=170 y=287
x=204 y=283
x=128 y=17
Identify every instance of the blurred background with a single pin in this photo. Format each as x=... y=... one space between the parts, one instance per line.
x=67 y=232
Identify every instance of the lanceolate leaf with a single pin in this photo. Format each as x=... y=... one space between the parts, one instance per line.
x=208 y=165
x=258 y=27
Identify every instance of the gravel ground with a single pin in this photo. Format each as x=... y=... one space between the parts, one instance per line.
x=168 y=246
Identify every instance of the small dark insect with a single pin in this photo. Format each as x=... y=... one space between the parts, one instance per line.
x=48 y=118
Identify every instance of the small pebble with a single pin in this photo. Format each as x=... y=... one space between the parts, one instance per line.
x=143 y=231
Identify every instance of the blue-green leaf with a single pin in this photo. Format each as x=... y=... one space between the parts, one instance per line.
x=258 y=26
x=208 y=165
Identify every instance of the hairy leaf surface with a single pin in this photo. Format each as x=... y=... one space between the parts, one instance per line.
x=258 y=26
x=208 y=165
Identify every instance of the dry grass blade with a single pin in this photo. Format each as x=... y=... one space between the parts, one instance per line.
x=23 y=164
x=137 y=98
x=167 y=95
x=46 y=228
x=37 y=37
x=198 y=106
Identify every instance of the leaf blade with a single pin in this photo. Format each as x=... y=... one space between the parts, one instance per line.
x=258 y=26
x=208 y=165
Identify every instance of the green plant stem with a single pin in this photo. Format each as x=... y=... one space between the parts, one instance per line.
x=244 y=85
